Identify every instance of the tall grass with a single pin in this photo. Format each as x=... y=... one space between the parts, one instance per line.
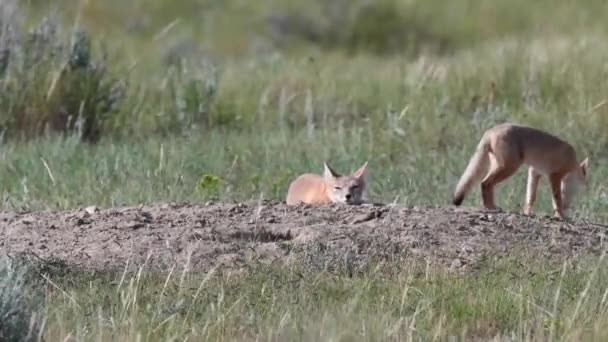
x=240 y=166
x=388 y=302
x=123 y=77
x=21 y=302
x=417 y=122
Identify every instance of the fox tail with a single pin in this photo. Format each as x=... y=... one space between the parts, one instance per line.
x=476 y=169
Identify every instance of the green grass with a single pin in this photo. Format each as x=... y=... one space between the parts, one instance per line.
x=67 y=174
x=546 y=67
x=197 y=100
x=416 y=122
x=388 y=302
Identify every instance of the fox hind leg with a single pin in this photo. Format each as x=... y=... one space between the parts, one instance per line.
x=499 y=173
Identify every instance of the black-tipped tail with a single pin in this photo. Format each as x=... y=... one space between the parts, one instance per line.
x=457 y=200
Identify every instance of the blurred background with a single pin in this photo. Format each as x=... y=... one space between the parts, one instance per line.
x=122 y=102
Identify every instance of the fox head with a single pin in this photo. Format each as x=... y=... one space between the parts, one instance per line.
x=573 y=181
x=345 y=189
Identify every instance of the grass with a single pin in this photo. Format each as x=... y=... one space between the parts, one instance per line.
x=416 y=122
x=387 y=302
x=114 y=103
x=66 y=174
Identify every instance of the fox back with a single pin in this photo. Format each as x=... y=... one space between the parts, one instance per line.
x=330 y=187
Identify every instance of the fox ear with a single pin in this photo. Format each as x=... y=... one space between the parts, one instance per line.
x=329 y=173
x=584 y=165
x=361 y=171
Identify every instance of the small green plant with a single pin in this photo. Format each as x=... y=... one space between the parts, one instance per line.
x=208 y=186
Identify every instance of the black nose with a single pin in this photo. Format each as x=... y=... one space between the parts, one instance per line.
x=348 y=196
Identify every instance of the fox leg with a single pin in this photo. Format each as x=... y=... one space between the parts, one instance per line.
x=555 y=180
x=531 y=189
x=499 y=173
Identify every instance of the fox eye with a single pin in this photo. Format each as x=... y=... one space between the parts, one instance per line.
x=337 y=188
x=355 y=187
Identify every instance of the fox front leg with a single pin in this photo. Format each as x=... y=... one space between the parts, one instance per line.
x=531 y=189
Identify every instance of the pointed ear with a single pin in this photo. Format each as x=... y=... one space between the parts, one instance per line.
x=584 y=165
x=329 y=173
x=360 y=173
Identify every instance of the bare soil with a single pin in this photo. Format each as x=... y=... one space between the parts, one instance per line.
x=235 y=235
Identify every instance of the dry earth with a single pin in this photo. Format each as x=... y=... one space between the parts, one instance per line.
x=233 y=235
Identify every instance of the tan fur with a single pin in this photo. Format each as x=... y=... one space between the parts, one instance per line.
x=505 y=147
x=331 y=187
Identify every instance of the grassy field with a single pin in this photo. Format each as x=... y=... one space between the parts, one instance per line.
x=114 y=103
x=390 y=302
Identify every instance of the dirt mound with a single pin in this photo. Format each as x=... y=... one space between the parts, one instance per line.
x=232 y=235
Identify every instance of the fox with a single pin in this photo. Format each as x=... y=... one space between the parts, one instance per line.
x=331 y=187
x=505 y=147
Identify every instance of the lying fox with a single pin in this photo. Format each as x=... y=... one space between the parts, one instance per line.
x=331 y=187
x=506 y=147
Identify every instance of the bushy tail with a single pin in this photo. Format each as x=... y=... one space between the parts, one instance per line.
x=476 y=169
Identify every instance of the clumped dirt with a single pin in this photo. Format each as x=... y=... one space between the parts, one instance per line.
x=235 y=235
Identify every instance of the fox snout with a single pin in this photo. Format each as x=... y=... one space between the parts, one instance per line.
x=352 y=199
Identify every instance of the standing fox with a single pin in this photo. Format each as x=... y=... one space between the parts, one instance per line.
x=331 y=187
x=506 y=147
